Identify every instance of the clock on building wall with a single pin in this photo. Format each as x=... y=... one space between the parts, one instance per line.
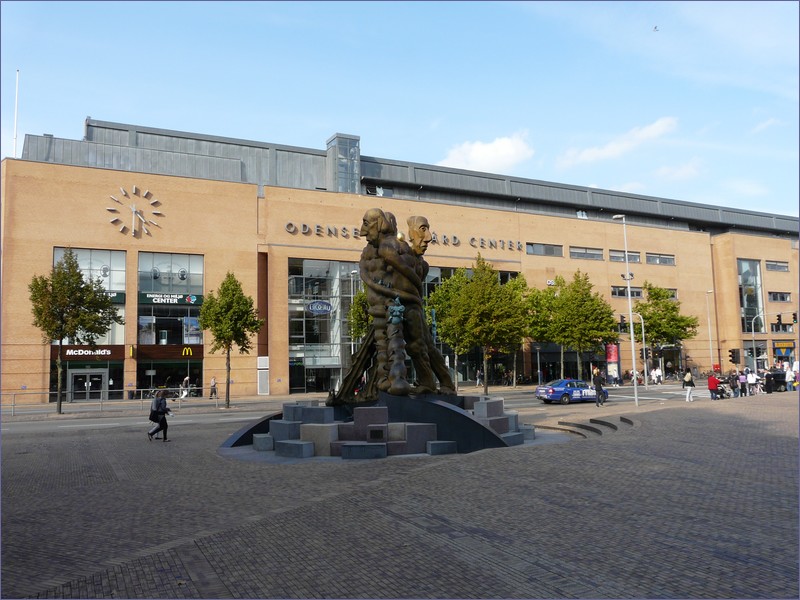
x=135 y=211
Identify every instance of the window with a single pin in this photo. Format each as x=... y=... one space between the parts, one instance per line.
x=619 y=256
x=782 y=328
x=170 y=273
x=750 y=295
x=587 y=253
x=621 y=291
x=673 y=293
x=106 y=265
x=660 y=259
x=544 y=249
x=780 y=296
x=777 y=265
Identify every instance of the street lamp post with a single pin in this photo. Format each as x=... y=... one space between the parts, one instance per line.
x=538 y=348
x=628 y=276
x=352 y=295
x=708 y=317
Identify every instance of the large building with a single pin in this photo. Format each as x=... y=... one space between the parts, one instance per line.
x=161 y=216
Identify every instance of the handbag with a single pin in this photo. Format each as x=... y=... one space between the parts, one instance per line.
x=154 y=416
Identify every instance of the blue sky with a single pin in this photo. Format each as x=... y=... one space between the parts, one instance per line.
x=695 y=101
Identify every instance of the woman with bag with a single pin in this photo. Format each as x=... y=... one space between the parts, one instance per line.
x=158 y=414
x=688 y=383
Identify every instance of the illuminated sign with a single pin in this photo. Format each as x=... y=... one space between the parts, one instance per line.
x=319 y=307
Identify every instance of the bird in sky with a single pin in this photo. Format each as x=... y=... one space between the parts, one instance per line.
x=655 y=28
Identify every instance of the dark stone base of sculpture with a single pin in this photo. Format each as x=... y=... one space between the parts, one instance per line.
x=453 y=423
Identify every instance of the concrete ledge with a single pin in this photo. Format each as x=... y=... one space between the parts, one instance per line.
x=263 y=442
x=513 y=438
x=528 y=431
x=317 y=414
x=440 y=447
x=294 y=449
x=321 y=435
x=497 y=424
x=358 y=450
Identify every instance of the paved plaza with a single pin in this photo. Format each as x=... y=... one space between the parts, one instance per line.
x=689 y=501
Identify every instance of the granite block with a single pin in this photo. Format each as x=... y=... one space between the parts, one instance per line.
x=397 y=432
x=358 y=450
x=513 y=438
x=528 y=431
x=496 y=424
x=263 y=442
x=282 y=429
x=485 y=409
x=418 y=435
x=369 y=415
x=513 y=420
x=321 y=434
x=317 y=414
x=347 y=432
x=438 y=447
x=294 y=449
x=396 y=448
x=292 y=412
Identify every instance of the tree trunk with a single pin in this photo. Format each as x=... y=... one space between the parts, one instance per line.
x=562 y=362
x=59 y=386
x=580 y=366
x=228 y=378
x=514 y=374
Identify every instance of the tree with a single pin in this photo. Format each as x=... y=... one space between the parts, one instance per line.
x=583 y=318
x=663 y=322
x=539 y=307
x=481 y=312
x=518 y=288
x=67 y=306
x=440 y=304
x=231 y=319
x=359 y=317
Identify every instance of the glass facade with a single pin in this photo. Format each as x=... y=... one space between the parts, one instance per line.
x=750 y=295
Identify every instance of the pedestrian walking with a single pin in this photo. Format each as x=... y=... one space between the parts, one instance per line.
x=713 y=385
x=213 y=390
x=743 y=383
x=789 y=379
x=733 y=381
x=688 y=383
x=158 y=413
x=597 y=380
x=478 y=378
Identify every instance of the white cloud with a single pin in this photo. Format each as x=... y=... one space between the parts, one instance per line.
x=621 y=145
x=497 y=156
x=683 y=172
x=746 y=187
x=764 y=125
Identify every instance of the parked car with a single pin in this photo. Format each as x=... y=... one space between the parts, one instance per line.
x=566 y=391
x=778 y=380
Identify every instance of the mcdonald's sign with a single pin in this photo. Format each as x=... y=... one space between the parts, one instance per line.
x=187 y=351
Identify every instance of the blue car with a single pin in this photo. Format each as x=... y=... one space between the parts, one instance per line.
x=566 y=391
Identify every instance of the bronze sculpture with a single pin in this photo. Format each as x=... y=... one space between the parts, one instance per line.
x=393 y=273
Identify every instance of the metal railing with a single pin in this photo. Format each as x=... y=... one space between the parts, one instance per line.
x=43 y=402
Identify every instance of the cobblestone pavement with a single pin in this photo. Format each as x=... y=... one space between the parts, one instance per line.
x=691 y=501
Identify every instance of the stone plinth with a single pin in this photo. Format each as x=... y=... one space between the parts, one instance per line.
x=321 y=435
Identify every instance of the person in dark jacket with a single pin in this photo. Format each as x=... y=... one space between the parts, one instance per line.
x=159 y=410
x=597 y=380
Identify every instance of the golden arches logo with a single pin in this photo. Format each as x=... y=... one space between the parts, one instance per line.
x=186 y=351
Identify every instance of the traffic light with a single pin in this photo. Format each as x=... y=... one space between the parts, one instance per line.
x=647 y=353
x=641 y=353
x=794 y=317
x=622 y=324
x=734 y=355
x=780 y=320
x=749 y=352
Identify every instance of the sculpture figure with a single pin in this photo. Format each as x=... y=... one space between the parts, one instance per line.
x=393 y=273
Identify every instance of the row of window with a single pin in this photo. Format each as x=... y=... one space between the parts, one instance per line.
x=620 y=291
x=652 y=258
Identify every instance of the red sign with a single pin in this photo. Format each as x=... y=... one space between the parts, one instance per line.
x=612 y=353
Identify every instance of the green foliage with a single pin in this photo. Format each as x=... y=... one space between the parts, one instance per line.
x=231 y=319
x=359 y=317
x=479 y=311
x=66 y=306
x=582 y=319
x=663 y=322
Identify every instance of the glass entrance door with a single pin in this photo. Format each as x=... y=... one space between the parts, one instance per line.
x=88 y=384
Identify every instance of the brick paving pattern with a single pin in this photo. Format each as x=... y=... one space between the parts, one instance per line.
x=692 y=501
